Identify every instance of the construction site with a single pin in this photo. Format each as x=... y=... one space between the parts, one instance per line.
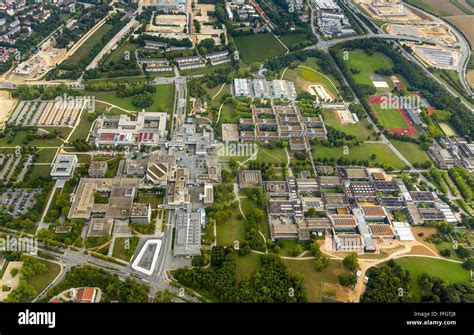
x=435 y=55
x=389 y=10
x=440 y=33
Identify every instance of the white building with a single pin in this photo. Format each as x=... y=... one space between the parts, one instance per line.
x=64 y=166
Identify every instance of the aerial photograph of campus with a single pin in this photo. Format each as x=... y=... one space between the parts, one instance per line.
x=236 y=151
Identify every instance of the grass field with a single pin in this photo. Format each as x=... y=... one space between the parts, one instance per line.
x=258 y=47
x=450 y=271
x=246 y=265
x=230 y=231
x=204 y=70
x=390 y=118
x=272 y=156
x=40 y=282
x=88 y=45
x=359 y=129
x=411 y=151
x=447 y=129
x=367 y=65
x=313 y=280
x=152 y=198
x=361 y=152
x=304 y=77
x=20 y=138
x=163 y=99
x=428 y=8
x=119 y=53
x=119 y=248
x=82 y=129
x=292 y=39
x=45 y=155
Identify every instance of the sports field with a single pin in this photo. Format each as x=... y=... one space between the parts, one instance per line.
x=258 y=47
x=389 y=117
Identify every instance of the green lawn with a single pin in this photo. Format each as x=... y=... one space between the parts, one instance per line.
x=448 y=245
x=447 y=129
x=204 y=70
x=258 y=47
x=450 y=271
x=359 y=129
x=152 y=198
x=361 y=152
x=246 y=266
x=367 y=65
x=229 y=114
x=390 y=118
x=313 y=280
x=303 y=76
x=121 y=252
x=40 y=282
x=247 y=205
x=38 y=171
x=20 y=138
x=272 y=156
x=82 y=129
x=292 y=39
x=45 y=155
x=411 y=151
x=163 y=99
x=88 y=45
x=230 y=231
x=62 y=132
x=119 y=53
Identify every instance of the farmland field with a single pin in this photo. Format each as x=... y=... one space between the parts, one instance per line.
x=464 y=24
x=435 y=7
x=258 y=47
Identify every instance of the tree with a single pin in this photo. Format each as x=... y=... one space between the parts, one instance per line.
x=469 y=264
x=347 y=280
x=351 y=261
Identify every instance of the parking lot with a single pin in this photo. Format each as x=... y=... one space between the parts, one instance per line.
x=17 y=202
x=47 y=113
